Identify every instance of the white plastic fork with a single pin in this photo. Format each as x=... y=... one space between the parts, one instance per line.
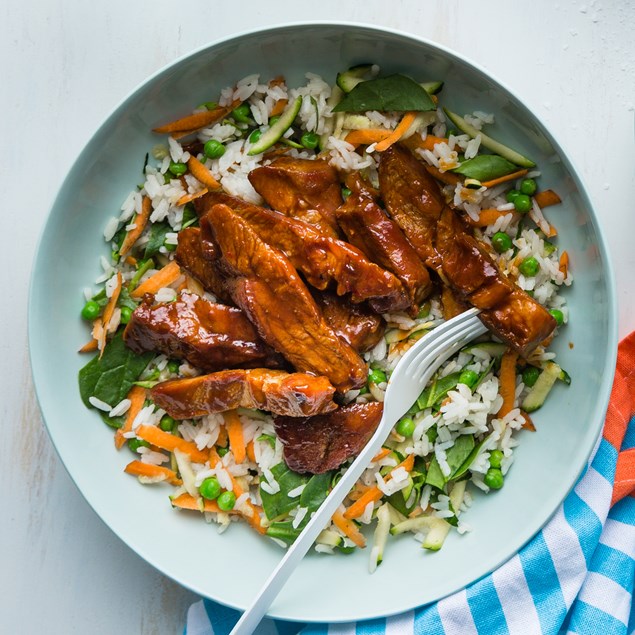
x=412 y=373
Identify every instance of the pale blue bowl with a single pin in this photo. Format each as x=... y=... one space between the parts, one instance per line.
x=230 y=568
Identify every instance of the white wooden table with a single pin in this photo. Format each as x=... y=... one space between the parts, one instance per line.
x=66 y=63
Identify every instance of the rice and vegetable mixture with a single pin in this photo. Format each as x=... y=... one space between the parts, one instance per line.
x=461 y=432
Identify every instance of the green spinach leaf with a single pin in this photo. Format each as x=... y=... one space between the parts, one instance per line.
x=284 y=531
x=485 y=167
x=458 y=453
x=111 y=377
x=468 y=462
x=395 y=92
x=436 y=393
x=156 y=238
x=275 y=505
x=316 y=491
x=435 y=476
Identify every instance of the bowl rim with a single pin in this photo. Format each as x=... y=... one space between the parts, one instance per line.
x=610 y=357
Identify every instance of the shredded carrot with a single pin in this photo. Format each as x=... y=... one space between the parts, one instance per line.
x=221 y=442
x=167 y=441
x=277 y=81
x=349 y=529
x=107 y=315
x=140 y=222
x=508 y=381
x=417 y=511
x=415 y=142
x=504 y=179
x=89 y=347
x=279 y=107
x=487 y=217
x=186 y=198
x=137 y=396
x=191 y=123
x=131 y=260
x=253 y=515
x=162 y=278
x=251 y=454
x=138 y=468
x=398 y=132
x=529 y=424
x=235 y=434
x=187 y=501
x=367 y=136
x=547 y=198
x=371 y=495
x=449 y=178
x=201 y=173
x=564 y=263
x=381 y=454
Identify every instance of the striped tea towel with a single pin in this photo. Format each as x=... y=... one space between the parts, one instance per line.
x=575 y=576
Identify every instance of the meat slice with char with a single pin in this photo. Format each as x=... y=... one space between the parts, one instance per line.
x=210 y=336
x=322 y=443
x=290 y=394
x=412 y=197
x=190 y=254
x=302 y=188
x=356 y=324
x=506 y=309
x=321 y=259
x=368 y=227
x=264 y=284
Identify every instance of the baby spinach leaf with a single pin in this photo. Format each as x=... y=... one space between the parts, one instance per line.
x=111 y=377
x=435 y=475
x=284 y=531
x=316 y=491
x=156 y=238
x=468 y=462
x=459 y=453
x=126 y=300
x=436 y=393
x=395 y=92
x=275 y=505
x=190 y=217
x=113 y=422
x=485 y=167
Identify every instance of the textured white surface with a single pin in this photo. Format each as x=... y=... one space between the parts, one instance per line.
x=67 y=63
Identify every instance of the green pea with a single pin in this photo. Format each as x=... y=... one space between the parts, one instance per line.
x=178 y=169
x=557 y=315
x=468 y=377
x=530 y=376
x=529 y=267
x=345 y=193
x=91 y=310
x=213 y=149
x=511 y=195
x=167 y=424
x=406 y=427
x=255 y=135
x=173 y=366
x=494 y=478
x=273 y=120
x=309 y=140
x=522 y=203
x=242 y=113
x=126 y=314
x=528 y=187
x=501 y=242
x=496 y=458
x=210 y=488
x=135 y=444
x=226 y=501
x=377 y=376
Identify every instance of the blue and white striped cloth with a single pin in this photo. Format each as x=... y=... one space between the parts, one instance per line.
x=575 y=576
